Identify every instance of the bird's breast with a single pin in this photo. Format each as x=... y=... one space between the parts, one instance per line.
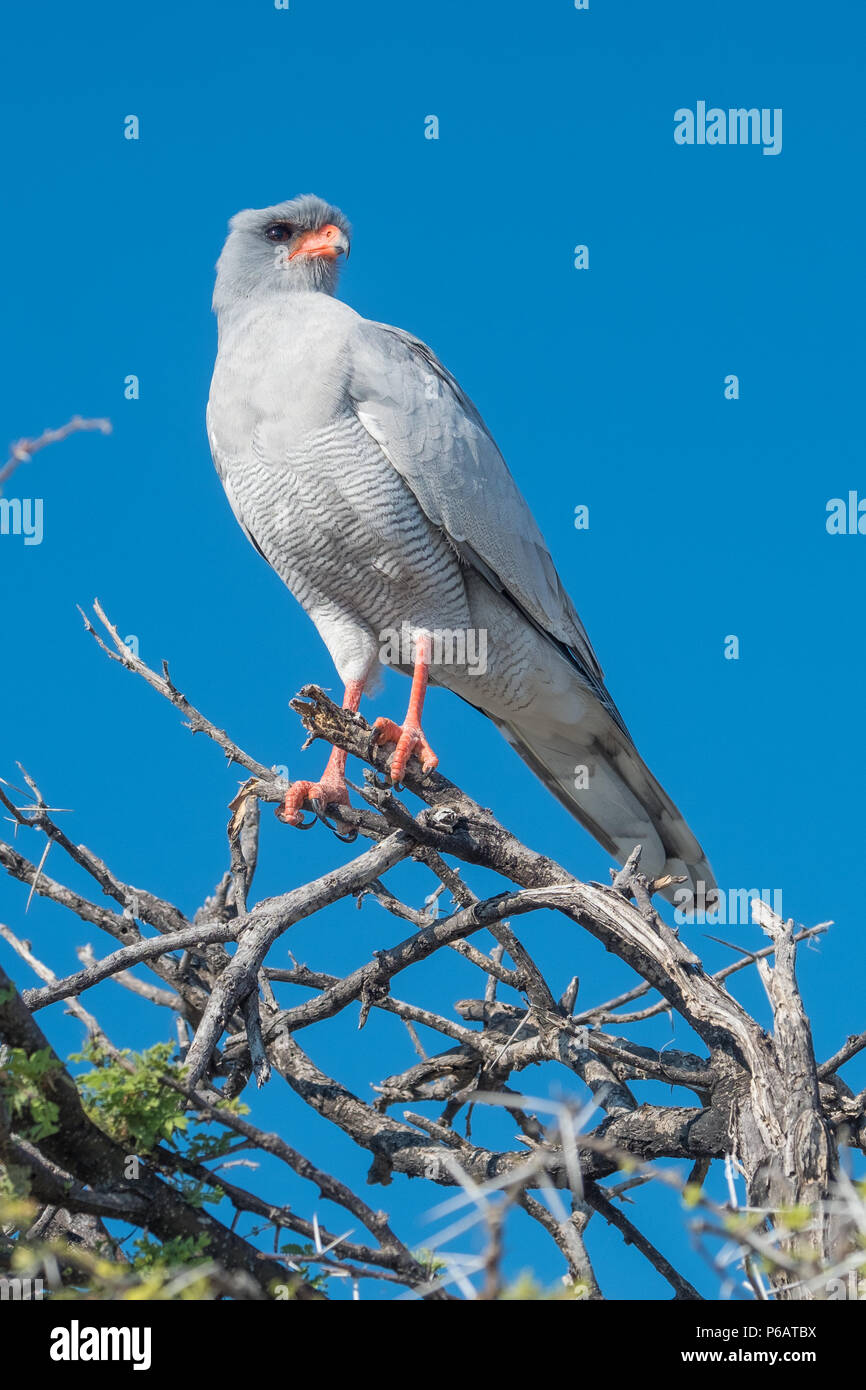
x=315 y=490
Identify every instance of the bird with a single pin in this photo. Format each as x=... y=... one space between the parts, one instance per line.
x=365 y=476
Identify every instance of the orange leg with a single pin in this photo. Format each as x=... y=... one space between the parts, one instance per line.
x=331 y=789
x=409 y=737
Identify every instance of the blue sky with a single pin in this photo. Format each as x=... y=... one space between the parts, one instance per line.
x=603 y=387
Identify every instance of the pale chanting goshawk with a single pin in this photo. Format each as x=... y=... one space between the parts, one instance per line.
x=366 y=477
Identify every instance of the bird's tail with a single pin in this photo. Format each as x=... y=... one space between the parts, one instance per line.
x=600 y=777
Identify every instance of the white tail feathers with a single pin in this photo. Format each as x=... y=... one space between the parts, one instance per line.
x=599 y=776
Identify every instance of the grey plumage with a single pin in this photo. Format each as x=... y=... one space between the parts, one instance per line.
x=367 y=478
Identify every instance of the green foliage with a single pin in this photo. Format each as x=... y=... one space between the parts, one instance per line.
x=200 y=1147
x=177 y=1270
x=795 y=1218
x=432 y=1262
x=128 y=1099
x=24 y=1081
x=524 y=1289
x=14 y=1185
x=197 y=1193
x=160 y=1270
x=17 y=1212
x=167 y=1255
x=133 y=1106
x=742 y=1223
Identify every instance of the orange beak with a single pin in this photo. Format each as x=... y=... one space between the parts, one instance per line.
x=326 y=241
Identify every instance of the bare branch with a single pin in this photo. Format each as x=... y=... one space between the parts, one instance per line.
x=23 y=450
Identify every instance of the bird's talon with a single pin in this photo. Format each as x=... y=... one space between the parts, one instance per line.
x=386 y=731
x=316 y=795
x=409 y=739
x=348 y=838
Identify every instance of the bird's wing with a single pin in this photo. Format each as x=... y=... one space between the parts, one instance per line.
x=435 y=437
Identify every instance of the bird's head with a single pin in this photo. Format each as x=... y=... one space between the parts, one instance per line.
x=291 y=246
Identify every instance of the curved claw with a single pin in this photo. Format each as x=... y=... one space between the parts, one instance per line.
x=317 y=795
x=321 y=807
x=299 y=824
x=373 y=741
x=350 y=835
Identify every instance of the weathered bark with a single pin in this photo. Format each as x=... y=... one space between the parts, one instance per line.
x=761 y=1102
x=781 y=1134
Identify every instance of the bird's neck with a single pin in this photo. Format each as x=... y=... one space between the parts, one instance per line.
x=306 y=275
x=256 y=313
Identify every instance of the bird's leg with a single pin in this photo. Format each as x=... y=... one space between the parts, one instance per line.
x=409 y=737
x=331 y=789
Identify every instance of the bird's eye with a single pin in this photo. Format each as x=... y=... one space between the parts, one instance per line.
x=280 y=231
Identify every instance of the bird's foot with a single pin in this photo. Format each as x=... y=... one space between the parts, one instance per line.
x=409 y=738
x=331 y=791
